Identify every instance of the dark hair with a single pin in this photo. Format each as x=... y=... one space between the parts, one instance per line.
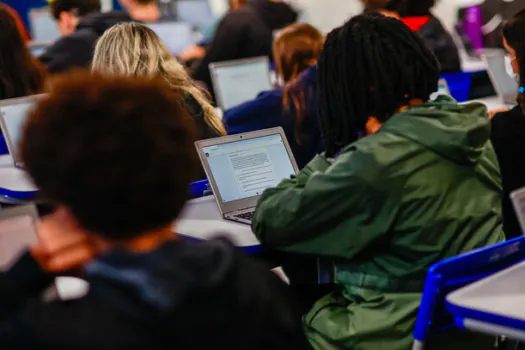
x=371 y=66
x=295 y=49
x=411 y=8
x=81 y=8
x=117 y=151
x=514 y=34
x=20 y=73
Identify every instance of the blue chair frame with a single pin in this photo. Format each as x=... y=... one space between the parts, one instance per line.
x=200 y=189
x=454 y=273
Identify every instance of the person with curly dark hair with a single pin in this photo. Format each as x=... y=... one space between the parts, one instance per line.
x=115 y=155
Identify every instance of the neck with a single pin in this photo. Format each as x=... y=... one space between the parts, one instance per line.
x=145 y=13
x=149 y=241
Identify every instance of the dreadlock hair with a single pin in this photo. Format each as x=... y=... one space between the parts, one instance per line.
x=371 y=66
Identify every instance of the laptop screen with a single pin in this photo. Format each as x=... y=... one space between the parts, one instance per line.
x=14 y=117
x=503 y=82
x=196 y=12
x=244 y=169
x=236 y=84
x=177 y=36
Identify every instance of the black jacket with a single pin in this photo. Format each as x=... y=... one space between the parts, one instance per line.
x=440 y=41
x=508 y=138
x=184 y=295
x=245 y=33
x=76 y=50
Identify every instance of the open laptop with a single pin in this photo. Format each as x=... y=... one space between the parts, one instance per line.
x=518 y=201
x=240 y=167
x=239 y=81
x=506 y=87
x=38 y=48
x=177 y=36
x=13 y=116
x=43 y=25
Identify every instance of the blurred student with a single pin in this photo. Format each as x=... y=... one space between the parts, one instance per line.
x=244 y=33
x=294 y=106
x=508 y=129
x=20 y=74
x=196 y=52
x=19 y=23
x=404 y=183
x=116 y=203
x=146 y=11
x=133 y=49
x=81 y=23
x=417 y=15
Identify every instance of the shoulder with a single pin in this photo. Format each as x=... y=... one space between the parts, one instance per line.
x=504 y=122
x=266 y=102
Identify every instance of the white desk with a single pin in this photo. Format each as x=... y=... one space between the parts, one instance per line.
x=494 y=305
x=201 y=219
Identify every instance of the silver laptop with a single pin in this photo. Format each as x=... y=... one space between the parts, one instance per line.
x=239 y=81
x=240 y=167
x=177 y=36
x=518 y=200
x=505 y=86
x=43 y=25
x=13 y=116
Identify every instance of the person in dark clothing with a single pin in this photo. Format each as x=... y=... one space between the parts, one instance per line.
x=416 y=14
x=508 y=128
x=76 y=49
x=294 y=106
x=244 y=33
x=116 y=202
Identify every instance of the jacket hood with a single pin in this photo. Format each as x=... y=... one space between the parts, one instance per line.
x=457 y=132
x=153 y=287
x=276 y=15
x=100 y=22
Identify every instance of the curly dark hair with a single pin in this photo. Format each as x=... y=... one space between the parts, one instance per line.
x=80 y=7
x=116 y=151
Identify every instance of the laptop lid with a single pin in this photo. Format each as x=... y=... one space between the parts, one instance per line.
x=196 y=12
x=518 y=201
x=240 y=167
x=506 y=87
x=13 y=116
x=177 y=36
x=43 y=25
x=239 y=81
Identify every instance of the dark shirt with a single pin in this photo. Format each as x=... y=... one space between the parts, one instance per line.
x=508 y=138
x=184 y=295
x=267 y=111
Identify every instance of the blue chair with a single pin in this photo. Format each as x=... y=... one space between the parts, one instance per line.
x=454 y=273
x=200 y=189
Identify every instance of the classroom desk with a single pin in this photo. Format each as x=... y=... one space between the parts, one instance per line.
x=494 y=305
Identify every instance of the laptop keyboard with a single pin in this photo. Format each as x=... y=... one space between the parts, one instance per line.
x=246 y=216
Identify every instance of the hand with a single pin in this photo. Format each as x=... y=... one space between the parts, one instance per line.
x=63 y=245
x=193 y=53
x=493 y=112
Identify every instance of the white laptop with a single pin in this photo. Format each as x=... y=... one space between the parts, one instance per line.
x=239 y=81
x=177 y=36
x=240 y=167
x=13 y=116
x=505 y=86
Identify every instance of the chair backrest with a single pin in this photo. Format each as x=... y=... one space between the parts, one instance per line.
x=200 y=189
x=451 y=274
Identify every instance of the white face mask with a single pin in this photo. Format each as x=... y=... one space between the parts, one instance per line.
x=510 y=70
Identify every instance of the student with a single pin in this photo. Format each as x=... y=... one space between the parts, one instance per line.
x=116 y=202
x=244 y=33
x=417 y=15
x=81 y=23
x=294 y=107
x=133 y=49
x=196 y=52
x=19 y=23
x=508 y=129
x=20 y=74
x=142 y=10
x=404 y=183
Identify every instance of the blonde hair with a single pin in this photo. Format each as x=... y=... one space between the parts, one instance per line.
x=133 y=49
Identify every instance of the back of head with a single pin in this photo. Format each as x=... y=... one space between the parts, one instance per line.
x=79 y=8
x=133 y=49
x=514 y=34
x=20 y=74
x=371 y=66
x=116 y=151
x=411 y=8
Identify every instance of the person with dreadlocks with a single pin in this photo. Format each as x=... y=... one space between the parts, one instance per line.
x=404 y=183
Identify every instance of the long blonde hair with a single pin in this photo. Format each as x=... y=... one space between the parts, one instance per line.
x=134 y=49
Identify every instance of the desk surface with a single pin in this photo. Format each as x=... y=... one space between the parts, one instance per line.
x=493 y=103
x=201 y=219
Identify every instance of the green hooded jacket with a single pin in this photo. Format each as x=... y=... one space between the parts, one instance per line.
x=425 y=187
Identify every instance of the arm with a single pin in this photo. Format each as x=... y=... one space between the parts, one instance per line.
x=329 y=210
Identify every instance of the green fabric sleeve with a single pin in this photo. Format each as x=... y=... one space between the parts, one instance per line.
x=327 y=210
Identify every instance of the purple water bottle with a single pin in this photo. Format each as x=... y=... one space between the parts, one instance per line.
x=473 y=27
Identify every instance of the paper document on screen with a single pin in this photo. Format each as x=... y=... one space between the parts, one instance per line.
x=16 y=234
x=253 y=170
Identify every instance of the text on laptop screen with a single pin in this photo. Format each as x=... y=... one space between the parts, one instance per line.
x=244 y=169
x=15 y=117
x=240 y=83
